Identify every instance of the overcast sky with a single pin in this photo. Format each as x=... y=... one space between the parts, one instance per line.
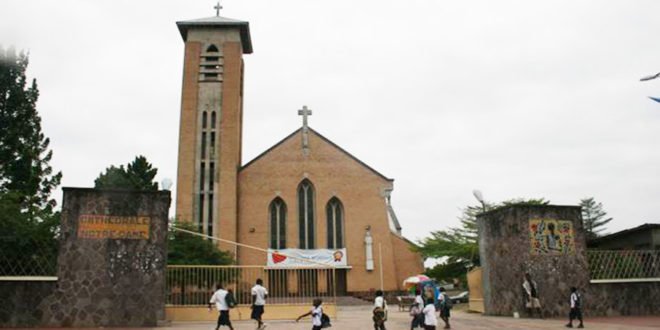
x=515 y=98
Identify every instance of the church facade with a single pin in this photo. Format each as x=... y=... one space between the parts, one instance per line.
x=304 y=196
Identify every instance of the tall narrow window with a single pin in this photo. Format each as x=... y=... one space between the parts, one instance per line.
x=212 y=146
x=306 y=215
x=201 y=177
x=211 y=176
x=204 y=119
x=277 y=224
x=200 y=219
x=213 y=119
x=335 y=215
x=210 y=222
x=203 y=145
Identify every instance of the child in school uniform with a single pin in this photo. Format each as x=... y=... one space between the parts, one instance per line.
x=316 y=312
x=576 y=308
x=430 y=321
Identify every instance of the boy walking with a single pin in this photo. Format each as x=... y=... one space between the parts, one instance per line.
x=576 y=308
x=430 y=321
x=219 y=298
x=380 y=311
x=259 y=295
x=316 y=313
x=445 y=307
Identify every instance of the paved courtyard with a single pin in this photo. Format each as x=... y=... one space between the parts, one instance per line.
x=359 y=318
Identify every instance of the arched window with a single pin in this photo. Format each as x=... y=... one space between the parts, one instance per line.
x=212 y=49
x=306 y=215
x=335 y=215
x=277 y=224
x=213 y=119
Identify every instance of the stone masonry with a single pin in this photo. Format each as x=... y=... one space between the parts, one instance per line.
x=507 y=252
x=106 y=281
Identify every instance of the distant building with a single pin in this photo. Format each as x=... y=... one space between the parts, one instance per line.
x=644 y=237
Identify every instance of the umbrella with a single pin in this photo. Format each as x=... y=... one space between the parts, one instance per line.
x=414 y=280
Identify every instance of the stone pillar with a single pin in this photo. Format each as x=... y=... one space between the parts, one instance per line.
x=112 y=260
x=546 y=241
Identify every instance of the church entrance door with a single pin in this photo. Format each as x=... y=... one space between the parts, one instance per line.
x=337 y=282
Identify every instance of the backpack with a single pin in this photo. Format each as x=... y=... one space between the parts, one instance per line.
x=447 y=301
x=230 y=300
x=578 y=301
x=325 y=321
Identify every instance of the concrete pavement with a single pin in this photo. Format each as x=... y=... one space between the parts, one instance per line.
x=359 y=318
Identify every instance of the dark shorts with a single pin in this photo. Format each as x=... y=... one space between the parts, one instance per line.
x=316 y=327
x=444 y=312
x=417 y=321
x=223 y=319
x=576 y=313
x=257 y=311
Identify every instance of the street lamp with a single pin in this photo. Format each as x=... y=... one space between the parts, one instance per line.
x=166 y=184
x=480 y=197
x=651 y=77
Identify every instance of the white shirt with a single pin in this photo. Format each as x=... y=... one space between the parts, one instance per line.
x=317 y=312
x=574 y=299
x=429 y=315
x=419 y=301
x=379 y=302
x=441 y=297
x=218 y=299
x=261 y=293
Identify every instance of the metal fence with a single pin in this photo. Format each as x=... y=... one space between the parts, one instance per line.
x=194 y=285
x=624 y=265
x=25 y=258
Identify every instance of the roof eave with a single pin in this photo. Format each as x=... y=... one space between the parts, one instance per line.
x=244 y=29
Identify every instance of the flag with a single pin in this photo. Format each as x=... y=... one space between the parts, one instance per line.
x=657 y=99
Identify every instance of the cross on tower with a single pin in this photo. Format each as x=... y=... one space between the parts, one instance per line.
x=217 y=9
x=304 y=112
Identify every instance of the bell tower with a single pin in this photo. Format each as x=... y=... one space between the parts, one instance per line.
x=210 y=132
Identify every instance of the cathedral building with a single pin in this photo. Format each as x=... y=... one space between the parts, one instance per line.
x=304 y=197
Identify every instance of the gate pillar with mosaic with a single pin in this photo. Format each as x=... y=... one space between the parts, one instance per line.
x=546 y=241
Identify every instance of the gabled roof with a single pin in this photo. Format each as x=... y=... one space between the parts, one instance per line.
x=646 y=226
x=219 y=21
x=322 y=138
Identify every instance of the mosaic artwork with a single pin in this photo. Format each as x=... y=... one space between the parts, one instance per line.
x=551 y=237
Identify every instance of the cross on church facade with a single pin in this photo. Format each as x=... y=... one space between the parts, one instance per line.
x=217 y=9
x=304 y=112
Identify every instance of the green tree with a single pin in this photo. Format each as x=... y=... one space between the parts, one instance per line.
x=594 y=217
x=137 y=175
x=187 y=249
x=28 y=223
x=459 y=246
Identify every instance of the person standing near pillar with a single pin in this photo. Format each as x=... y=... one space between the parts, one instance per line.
x=531 y=295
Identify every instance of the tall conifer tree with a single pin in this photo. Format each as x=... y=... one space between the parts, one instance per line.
x=594 y=217
x=24 y=155
x=28 y=223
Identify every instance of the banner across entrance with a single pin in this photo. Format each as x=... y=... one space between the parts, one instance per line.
x=290 y=258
